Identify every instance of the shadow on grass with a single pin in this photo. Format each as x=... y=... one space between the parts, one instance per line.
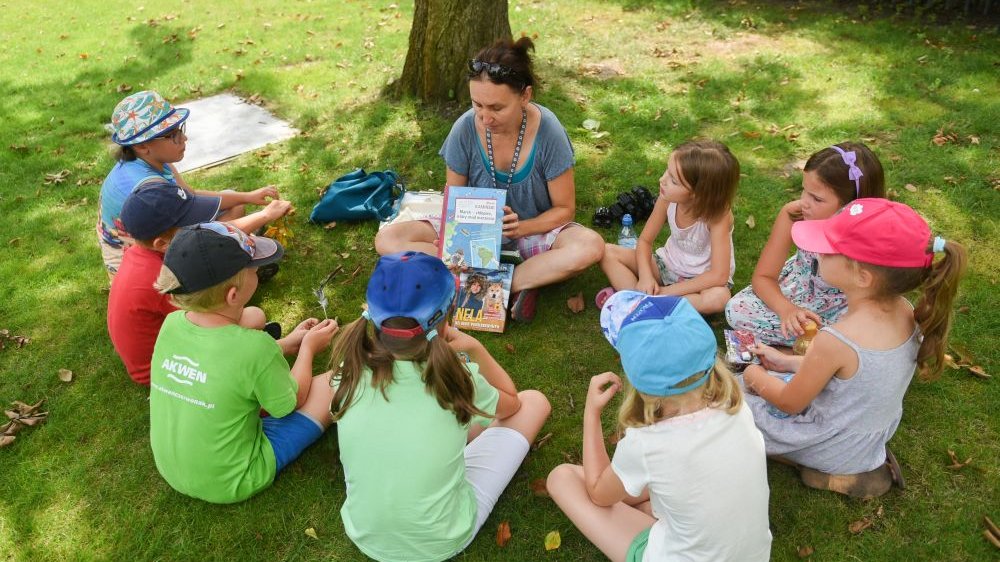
x=402 y=135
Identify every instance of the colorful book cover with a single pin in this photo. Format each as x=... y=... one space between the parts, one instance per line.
x=473 y=227
x=483 y=296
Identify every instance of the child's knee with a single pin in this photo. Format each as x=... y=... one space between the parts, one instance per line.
x=253 y=318
x=535 y=402
x=715 y=299
x=561 y=478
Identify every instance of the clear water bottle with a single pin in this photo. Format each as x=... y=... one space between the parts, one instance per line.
x=627 y=238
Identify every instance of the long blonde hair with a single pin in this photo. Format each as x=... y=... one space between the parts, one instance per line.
x=720 y=391
x=446 y=378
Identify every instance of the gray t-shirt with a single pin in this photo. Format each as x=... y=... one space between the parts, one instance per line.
x=550 y=156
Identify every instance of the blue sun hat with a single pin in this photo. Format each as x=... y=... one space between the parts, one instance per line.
x=143 y=116
x=662 y=341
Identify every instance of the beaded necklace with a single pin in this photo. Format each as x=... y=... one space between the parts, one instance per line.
x=517 y=151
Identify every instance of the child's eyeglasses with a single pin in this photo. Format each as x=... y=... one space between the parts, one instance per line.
x=493 y=69
x=175 y=135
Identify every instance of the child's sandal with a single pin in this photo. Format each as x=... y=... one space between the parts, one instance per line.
x=866 y=485
x=894 y=470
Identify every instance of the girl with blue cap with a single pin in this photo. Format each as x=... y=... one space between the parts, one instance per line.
x=688 y=479
x=413 y=396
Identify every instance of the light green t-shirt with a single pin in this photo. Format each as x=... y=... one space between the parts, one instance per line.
x=207 y=386
x=404 y=463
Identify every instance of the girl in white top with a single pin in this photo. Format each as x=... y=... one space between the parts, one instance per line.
x=697 y=262
x=688 y=480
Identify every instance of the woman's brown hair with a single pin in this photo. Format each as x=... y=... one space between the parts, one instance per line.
x=446 y=378
x=515 y=67
x=939 y=285
x=712 y=173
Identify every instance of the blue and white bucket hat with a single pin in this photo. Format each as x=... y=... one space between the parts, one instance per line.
x=143 y=116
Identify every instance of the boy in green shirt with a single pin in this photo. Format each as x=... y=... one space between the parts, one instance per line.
x=211 y=377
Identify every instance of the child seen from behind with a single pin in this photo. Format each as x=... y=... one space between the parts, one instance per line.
x=211 y=377
x=151 y=216
x=786 y=293
x=697 y=261
x=846 y=398
x=411 y=401
x=688 y=479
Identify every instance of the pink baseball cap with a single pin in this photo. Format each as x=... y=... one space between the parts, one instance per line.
x=871 y=230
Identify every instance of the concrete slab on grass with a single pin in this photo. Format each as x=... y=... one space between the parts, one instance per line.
x=224 y=126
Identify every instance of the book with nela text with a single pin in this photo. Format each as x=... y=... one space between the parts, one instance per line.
x=471 y=235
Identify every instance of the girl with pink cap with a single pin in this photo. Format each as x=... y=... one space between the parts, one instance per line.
x=846 y=397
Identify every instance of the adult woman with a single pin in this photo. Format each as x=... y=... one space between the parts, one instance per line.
x=507 y=141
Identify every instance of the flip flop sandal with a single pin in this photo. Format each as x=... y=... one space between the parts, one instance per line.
x=894 y=470
x=602 y=296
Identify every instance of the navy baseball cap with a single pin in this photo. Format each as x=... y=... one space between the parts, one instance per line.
x=209 y=253
x=410 y=285
x=151 y=210
x=662 y=341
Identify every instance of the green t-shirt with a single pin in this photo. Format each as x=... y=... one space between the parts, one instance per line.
x=404 y=463
x=207 y=388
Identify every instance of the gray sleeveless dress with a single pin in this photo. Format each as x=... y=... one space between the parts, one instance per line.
x=845 y=428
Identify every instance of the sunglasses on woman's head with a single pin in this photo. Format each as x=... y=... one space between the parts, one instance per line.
x=493 y=69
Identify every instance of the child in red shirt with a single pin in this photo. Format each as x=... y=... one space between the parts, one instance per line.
x=151 y=215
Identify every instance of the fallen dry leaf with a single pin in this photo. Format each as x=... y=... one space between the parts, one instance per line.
x=65 y=375
x=6 y=440
x=979 y=371
x=973 y=139
x=538 y=488
x=751 y=222
x=575 y=303
x=910 y=187
x=541 y=442
x=509 y=347
x=503 y=534
x=751 y=134
x=859 y=525
x=955 y=464
x=57 y=177
x=553 y=540
x=310 y=532
x=942 y=138
x=991 y=526
x=805 y=551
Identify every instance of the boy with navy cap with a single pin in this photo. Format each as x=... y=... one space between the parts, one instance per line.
x=151 y=216
x=688 y=479
x=210 y=376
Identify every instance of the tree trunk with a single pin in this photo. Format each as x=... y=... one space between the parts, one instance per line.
x=444 y=36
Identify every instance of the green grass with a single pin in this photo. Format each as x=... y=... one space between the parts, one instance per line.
x=84 y=486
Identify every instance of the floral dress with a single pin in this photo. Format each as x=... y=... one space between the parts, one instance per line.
x=800 y=282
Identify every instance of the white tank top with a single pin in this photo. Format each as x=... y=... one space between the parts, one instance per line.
x=688 y=251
